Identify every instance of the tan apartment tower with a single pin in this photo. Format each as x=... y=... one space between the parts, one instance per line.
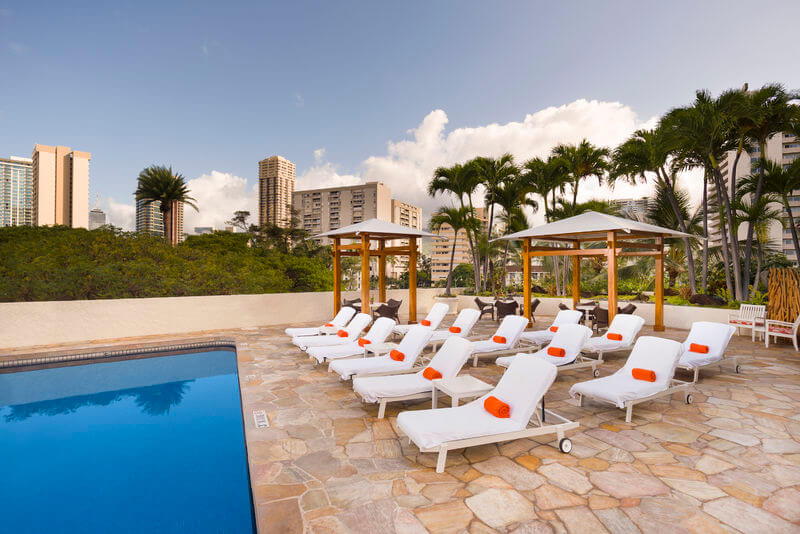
x=16 y=191
x=150 y=220
x=442 y=248
x=60 y=186
x=275 y=188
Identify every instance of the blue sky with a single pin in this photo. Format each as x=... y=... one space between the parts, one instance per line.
x=218 y=86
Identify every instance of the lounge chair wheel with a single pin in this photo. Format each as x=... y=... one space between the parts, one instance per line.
x=689 y=398
x=738 y=368
x=596 y=373
x=565 y=445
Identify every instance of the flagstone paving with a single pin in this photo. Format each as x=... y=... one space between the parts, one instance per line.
x=728 y=462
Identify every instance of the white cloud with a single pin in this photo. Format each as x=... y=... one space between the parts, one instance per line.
x=325 y=175
x=122 y=215
x=409 y=163
x=319 y=155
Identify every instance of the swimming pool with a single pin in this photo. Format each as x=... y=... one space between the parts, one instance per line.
x=150 y=444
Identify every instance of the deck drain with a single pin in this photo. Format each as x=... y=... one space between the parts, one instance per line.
x=260 y=418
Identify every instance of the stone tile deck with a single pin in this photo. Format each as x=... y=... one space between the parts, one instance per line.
x=728 y=462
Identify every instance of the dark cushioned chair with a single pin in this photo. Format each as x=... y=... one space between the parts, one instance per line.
x=504 y=308
x=534 y=304
x=628 y=309
x=390 y=310
x=484 y=307
x=600 y=320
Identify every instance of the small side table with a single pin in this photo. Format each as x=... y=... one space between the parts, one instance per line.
x=379 y=348
x=328 y=330
x=459 y=387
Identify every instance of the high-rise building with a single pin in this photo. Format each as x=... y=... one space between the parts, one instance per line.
x=321 y=210
x=16 y=191
x=632 y=208
x=60 y=186
x=404 y=214
x=782 y=149
x=442 y=248
x=150 y=220
x=97 y=218
x=275 y=188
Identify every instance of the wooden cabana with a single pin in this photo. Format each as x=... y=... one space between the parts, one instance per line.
x=622 y=238
x=369 y=239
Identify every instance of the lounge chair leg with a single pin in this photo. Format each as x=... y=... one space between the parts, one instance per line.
x=381 y=409
x=475 y=361
x=441 y=460
x=696 y=374
x=629 y=413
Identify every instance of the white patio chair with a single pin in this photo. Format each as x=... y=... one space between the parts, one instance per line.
x=377 y=334
x=503 y=341
x=339 y=321
x=564 y=350
x=750 y=316
x=542 y=337
x=432 y=320
x=343 y=336
x=447 y=362
x=520 y=389
x=785 y=329
x=620 y=335
x=654 y=360
x=705 y=345
x=399 y=360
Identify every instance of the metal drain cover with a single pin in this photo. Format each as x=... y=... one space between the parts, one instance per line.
x=260 y=418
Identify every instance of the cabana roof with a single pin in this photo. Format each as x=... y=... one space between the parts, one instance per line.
x=375 y=228
x=592 y=226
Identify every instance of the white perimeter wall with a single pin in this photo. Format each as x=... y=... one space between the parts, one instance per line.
x=24 y=324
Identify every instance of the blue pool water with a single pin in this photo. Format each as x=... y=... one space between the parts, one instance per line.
x=148 y=445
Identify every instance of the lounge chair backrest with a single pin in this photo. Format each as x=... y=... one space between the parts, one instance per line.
x=359 y=323
x=571 y=338
x=436 y=314
x=511 y=328
x=715 y=336
x=466 y=320
x=567 y=317
x=343 y=317
x=523 y=385
x=656 y=354
x=413 y=343
x=627 y=325
x=380 y=330
x=451 y=356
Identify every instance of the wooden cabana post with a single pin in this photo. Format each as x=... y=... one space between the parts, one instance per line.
x=619 y=236
x=362 y=234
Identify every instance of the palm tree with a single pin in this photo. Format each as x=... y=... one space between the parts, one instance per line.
x=458 y=219
x=648 y=153
x=158 y=183
x=545 y=178
x=759 y=215
x=460 y=180
x=781 y=183
x=582 y=161
x=769 y=111
x=493 y=172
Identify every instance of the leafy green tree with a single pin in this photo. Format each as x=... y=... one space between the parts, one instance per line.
x=458 y=219
x=583 y=160
x=158 y=183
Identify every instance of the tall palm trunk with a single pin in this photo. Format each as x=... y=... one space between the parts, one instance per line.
x=748 y=247
x=452 y=259
x=759 y=263
x=705 y=233
x=723 y=232
x=165 y=217
x=789 y=213
x=486 y=276
x=673 y=201
x=557 y=274
x=473 y=249
x=732 y=232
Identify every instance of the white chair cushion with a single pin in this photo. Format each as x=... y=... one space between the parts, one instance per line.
x=715 y=336
x=411 y=345
x=339 y=320
x=511 y=328
x=570 y=337
x=626 y=325
x=563 y=317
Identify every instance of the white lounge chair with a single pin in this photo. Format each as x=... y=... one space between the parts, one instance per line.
x=542 y=337
x=432 y=320
x=343 y=336
x=339 y=321
x=461 y=327
x=623 y=326
x=447 y=362
x=410 y=348
x=377 y=333
x=705 y=345
x=653 y=356
x=752 y=316
x=503 y=341
x=521 y=388
x=564 y=350
x=783 y=329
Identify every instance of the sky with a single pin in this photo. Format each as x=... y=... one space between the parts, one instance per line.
x=361 y=91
